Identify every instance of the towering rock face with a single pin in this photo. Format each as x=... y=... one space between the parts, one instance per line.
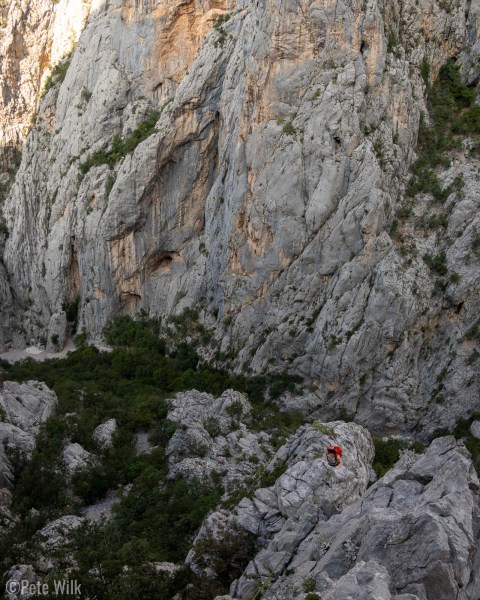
x=33 y=36
x=264 y=194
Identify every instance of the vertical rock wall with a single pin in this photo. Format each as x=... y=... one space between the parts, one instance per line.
x=264 y=196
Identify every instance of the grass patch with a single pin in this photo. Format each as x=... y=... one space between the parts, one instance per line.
x=323 y=428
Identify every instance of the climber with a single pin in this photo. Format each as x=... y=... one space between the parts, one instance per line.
x=334 y=456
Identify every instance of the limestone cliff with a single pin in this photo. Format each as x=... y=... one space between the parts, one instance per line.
x=253 y=170
x=34 y=36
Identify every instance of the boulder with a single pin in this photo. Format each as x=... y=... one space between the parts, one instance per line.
x=58 y=532
x=76 y=457
x=194 y=408
x=475 y=429
x=103 y=434
x=213 y=438
x=142 y=443
x=26 y=405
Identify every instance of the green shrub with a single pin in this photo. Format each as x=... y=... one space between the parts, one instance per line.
x=289 y=129
x=453 y=112
x=425 y=72
x=58 y=73
x=109 y=184
x=438 y=263
x=119 y=147
x=71 y=309
x=434 y=221
x=473 y=333
x=227 y=554
x=235 y=409
x=476 y=241
x=309 y=584
x=393 y=44
x=387 y=452
x=218 y=26
x=333 y=343
x=212 y=427
x=473 y=357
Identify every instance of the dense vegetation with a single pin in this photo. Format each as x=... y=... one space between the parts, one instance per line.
x=453 y=113
x=157 y=519
x=387 y=452
x=452 y=123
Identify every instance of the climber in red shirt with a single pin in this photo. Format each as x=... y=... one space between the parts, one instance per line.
x=334 y=456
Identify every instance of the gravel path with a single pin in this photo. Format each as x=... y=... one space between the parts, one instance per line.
x=16 y=354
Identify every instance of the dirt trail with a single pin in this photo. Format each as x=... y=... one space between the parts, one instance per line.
x=16 y=354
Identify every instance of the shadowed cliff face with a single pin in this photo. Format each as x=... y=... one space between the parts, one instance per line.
x=264 y=195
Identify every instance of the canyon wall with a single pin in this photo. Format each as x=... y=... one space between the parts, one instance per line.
x=263 y=196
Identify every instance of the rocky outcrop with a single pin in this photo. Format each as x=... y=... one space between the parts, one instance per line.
x=475 y=429
x=412 y=535
x=75 y=458
x=57 y=332
x=307 y=492
x=213 y=438
x=19 y=574
x=264 y=195
x=103 y=434
x=58 y=533
x=23 y=408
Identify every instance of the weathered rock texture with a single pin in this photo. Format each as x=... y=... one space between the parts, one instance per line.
x=413 y=536
x=23 y=408
x=265 y=196
x=213 y=438
x=34 y=36
x=103 y=434
x=75 y=458
x=309 y=491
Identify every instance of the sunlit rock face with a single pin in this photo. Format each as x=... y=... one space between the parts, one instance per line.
x=264 y=195
x=33 y=37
